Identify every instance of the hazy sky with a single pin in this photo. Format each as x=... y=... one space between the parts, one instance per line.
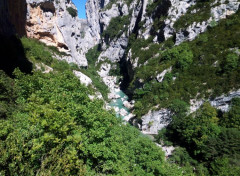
x=81 y=7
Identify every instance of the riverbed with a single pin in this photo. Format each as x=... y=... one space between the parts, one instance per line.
x=118 y=104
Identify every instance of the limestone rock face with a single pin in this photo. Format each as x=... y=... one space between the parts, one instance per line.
x=116 y=49
x=224 y=102
x=177 y=9
x=50 y=22
x=92 y=12
x=107 y=15
x=218 y=12
x=155 y=121
x=84 y=79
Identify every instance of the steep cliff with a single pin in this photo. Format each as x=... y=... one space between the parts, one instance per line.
x=169 y=67
x=56 y=23
x=132 y=36
x=137 y=36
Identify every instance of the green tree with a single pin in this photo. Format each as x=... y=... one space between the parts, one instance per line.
x=231 y=62
x=231 y=119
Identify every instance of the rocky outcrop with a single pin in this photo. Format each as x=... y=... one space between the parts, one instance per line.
x=226 y=8
x=154 y=121
x=105 y=16
x=177 y=9
x=84 y=79
x=50 y=22
x=44 y=68
x=116 y=49
x=223 y=102
x=160 y=76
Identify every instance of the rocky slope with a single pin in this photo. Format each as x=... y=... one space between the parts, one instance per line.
x=171 y=66
x=51 y=22
x=113 y=26
x=118 y=22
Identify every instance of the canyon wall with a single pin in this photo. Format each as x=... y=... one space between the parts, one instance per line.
x=119 y=22
x=57 y=24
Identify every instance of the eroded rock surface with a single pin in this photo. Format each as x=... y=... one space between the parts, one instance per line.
x=50 y=22
x=155 y=121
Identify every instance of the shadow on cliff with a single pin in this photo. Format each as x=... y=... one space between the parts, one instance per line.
x=12 y=55
x=12 y=24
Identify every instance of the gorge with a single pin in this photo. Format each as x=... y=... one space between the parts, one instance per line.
x=168 y=68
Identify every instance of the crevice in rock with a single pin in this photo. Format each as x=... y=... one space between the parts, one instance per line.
x=120 y=10
x=101 y=27
x=62 y=45
x=126 y=70
x=160 y=11
x=102 y=3
x=138 y=20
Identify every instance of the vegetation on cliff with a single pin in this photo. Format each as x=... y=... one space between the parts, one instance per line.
x=49 y=126
x=203 y=68
x=208 y=140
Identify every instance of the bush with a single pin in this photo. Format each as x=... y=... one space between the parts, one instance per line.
x=73 y=12
x=36 y=51
x=185 y=60
x=116 y=27
x=231 y=119
x=231 y=62
x=8 y=95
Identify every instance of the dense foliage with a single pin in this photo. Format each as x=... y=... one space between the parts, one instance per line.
x=49 y=126
x=116 y=28
x=209 y=140
x=91 y=72
x=204 y=68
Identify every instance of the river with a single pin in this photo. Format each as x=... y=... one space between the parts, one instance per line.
x=118 y=104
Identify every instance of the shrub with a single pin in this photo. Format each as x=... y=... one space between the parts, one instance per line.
x=185 y=59
x=231 y=62
x=116 y=27
x=73 y=12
